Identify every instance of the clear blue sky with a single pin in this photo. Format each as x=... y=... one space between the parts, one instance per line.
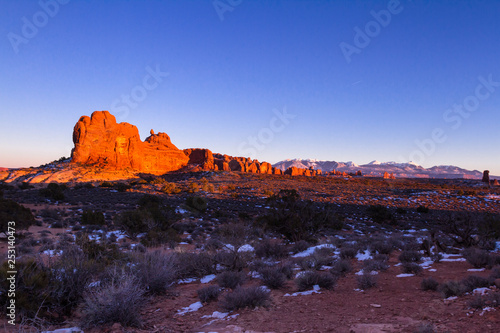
x=233 y=65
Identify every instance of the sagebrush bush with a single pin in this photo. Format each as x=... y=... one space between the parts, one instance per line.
x=300 y=246
x=271 y=249
x=477 y=258
x=382 y=247
x=286 y=269
x=92 y=218
x=472 y=282
x=410 y=256
x=249 y=297
x=120 y=300
x=155 y=271
x=53 y=191
x=197 y=203
x=195 y=264
x=375 y=265
x=272 y=277
x=477 y=302
x=341 y=267
x=429 y=284
x=380 y=214
x=170 y=188
x=230 y=279
x=209 y=293
x=451 y=288
x=366 y=281
x=348 y=252
x=307 y=280
x=411 y=268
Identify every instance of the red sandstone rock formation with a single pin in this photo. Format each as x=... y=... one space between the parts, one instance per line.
x=486 y=177
x=100 y=141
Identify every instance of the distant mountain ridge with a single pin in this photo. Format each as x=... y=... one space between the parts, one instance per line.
x=377 y=169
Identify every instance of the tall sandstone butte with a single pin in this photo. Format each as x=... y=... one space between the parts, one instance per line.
x=100 y=141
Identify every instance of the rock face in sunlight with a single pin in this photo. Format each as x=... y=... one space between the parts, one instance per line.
x=102 y=142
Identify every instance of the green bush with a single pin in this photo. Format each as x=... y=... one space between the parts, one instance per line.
x=297 y=219
x=380 y=214
x=197 y=203
x=53 y=191
x=12 y=211
x=92 y=218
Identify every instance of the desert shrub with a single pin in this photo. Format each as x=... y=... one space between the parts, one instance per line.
x=120 y=300
x=411 y=268
x=451 y=288
x=382 y=247
x=477 y=302
x=32 y=283
x=272 y=277
x=249 y=297
x=53 y=191
x=489 y=227
x=477 y=258
x=93 y=218
x=193 y=187
x=151 y=216
x=170 y=188
x=341 y=267
x=270 y=249
x=348 y=252
x=472 y=282
x=297 y=219
x=401 y=210
x=232 y=260
x=366 y=281
x=12 y=211
x=195 y=264
x=155 y=271
x=25 y=186
x=495 y=272
x=122 y=187
x=73 y=272
x=461 y=228
x=410 y=256
x=429 y=284
x=309 y=279
x=105 y=184
x=300 y=246
x=380 y=214
x=286 y=269
x=139 y=248
x=422 y=209
x=375 y=265
x=230 y=279
x=157 y=237
x=197 y=203
x=209 y=293
x=104 y=253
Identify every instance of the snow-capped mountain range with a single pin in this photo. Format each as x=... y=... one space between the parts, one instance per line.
x=377 y=169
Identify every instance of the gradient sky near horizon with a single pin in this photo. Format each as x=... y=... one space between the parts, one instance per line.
x=234 y=65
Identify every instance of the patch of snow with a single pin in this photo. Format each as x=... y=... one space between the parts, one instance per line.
x=405 y=275
x=480 y=291
x=246 y=248
x=364 y=256
x=192 y=308
x=311 y=250
x=217 y=315
x=315 y=290
x=476 y=269
x=179 y=210
x=52 y=253
x=184 y=281
x=432 y=270
x=451 y=298
x=361 y=272
x=207 y=278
